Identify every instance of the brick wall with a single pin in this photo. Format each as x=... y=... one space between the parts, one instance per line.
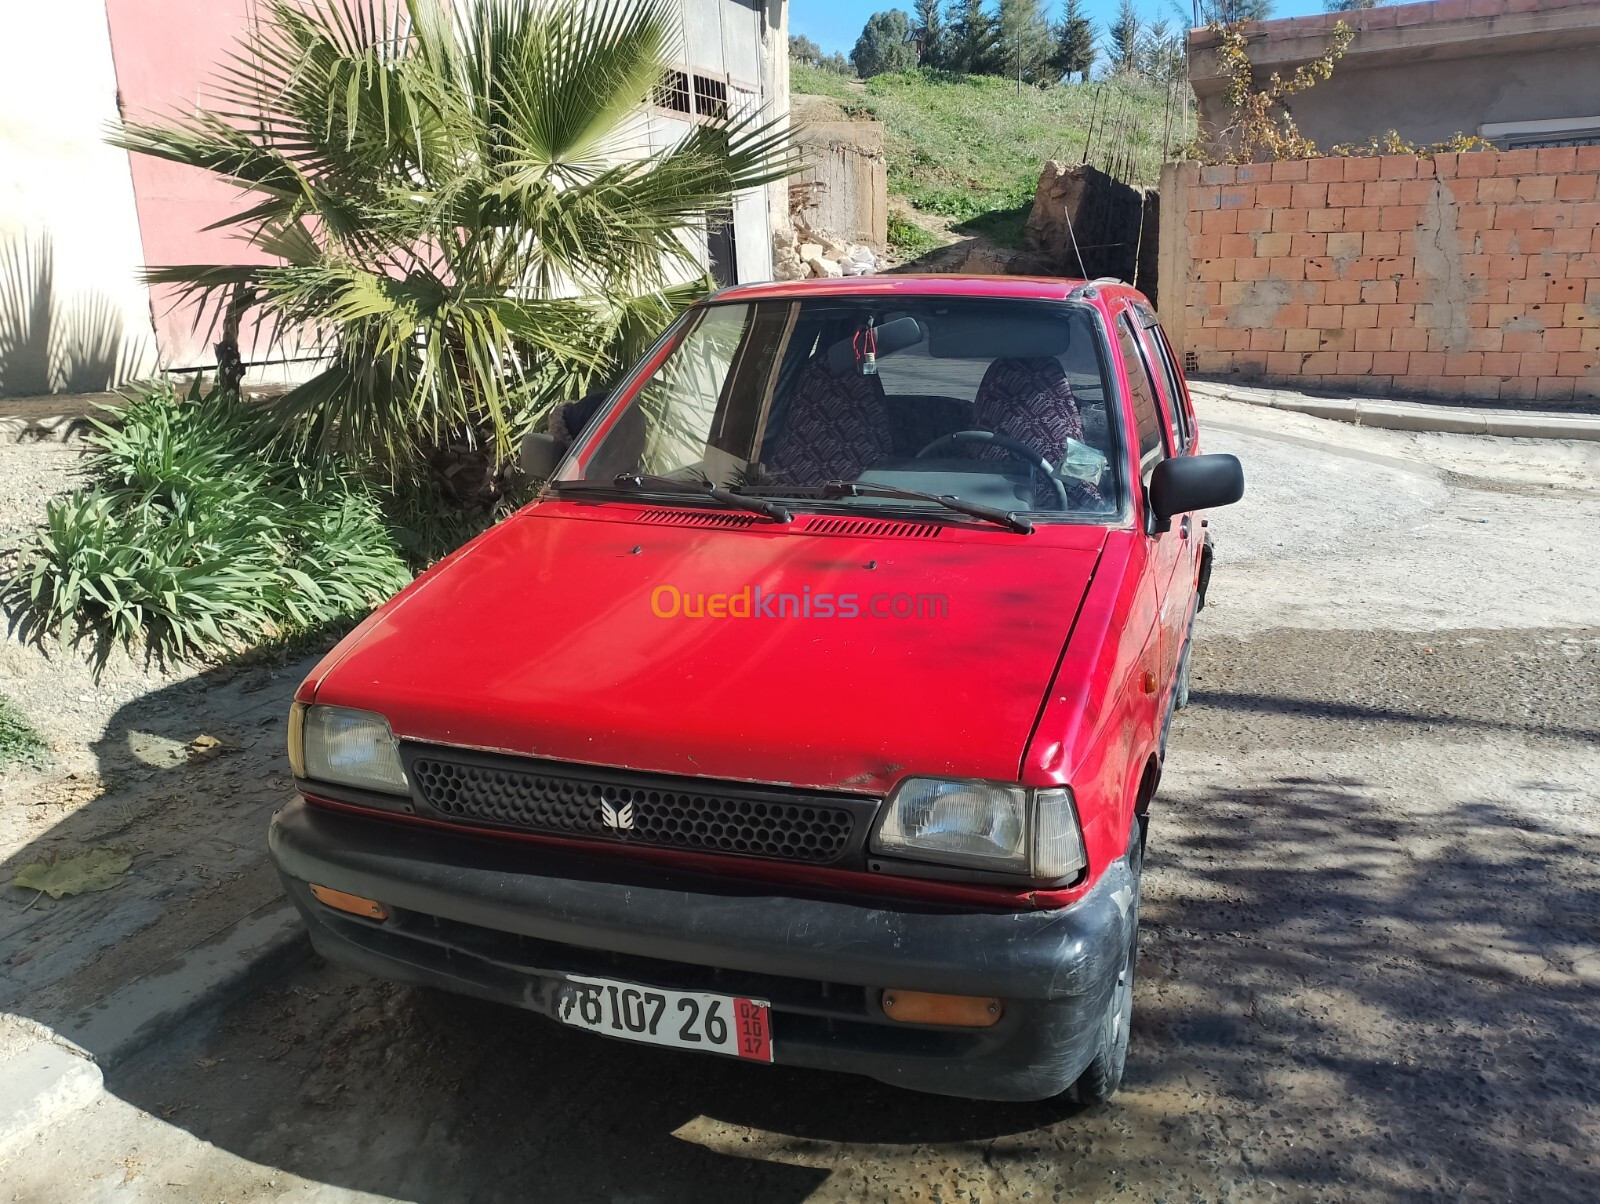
x=1456 y=276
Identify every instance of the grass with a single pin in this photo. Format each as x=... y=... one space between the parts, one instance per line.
x=969 y=148
x=910 y=239
x=196 y=538
x=19 y=743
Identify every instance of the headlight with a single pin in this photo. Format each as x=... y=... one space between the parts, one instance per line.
x=984 y=825
x=348 y=747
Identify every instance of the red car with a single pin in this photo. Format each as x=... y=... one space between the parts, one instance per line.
x=813 y=712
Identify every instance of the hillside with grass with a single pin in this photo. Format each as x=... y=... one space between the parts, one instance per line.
x=965 y=151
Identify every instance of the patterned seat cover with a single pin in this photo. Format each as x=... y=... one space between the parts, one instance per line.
x=837 y=427
x=1031 y=401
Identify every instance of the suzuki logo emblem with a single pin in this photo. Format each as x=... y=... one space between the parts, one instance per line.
x=618 y=819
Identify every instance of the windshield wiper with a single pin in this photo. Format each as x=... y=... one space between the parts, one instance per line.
x=838 y=489
x=993 y=514
x=633 y=482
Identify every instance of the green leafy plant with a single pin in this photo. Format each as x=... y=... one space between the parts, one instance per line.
x=452 y=199
x=194 y=541
x=1261 y=129
x=19 y=743
x=1391 y=143
x=909 y=238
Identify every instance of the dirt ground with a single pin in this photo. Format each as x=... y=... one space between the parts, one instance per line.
x=1370 y=961
x=127 y=774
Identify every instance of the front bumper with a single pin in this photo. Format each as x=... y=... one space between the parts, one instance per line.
x=507 y=922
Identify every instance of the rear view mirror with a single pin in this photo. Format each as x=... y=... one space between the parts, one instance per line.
x=541 y=453
x=1182 y=483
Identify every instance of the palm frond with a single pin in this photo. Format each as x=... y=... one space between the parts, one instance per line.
x=460 y=196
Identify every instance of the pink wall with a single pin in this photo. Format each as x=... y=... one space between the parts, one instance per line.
x=164 y=50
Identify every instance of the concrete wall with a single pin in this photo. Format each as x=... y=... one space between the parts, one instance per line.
x=1432 y=101
x=73 y=316
x=1428 y=71
x=165 y=51
x=1457 y=276
x=847 y=180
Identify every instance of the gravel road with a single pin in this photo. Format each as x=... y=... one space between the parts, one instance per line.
x=1370 y=962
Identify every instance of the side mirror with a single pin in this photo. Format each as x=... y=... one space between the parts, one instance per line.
x=1182 y=483
x=541 y=453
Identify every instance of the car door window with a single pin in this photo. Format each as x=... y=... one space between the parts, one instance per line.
x=1147 y=417
x=1183 y=403
x=1161 y=360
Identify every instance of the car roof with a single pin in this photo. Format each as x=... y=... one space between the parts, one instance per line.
x=1042 y=288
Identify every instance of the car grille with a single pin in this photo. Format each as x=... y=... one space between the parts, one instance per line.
x=570 y=800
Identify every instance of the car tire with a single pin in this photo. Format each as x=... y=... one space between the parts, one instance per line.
x=1180 y=693
x=1101 y=1078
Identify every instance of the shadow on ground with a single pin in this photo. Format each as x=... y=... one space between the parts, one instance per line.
x=1407 y=1019
x=1351 y=988
x=192 y=817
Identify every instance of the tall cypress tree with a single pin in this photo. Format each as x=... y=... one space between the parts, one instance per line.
x=974 y=38
x=1125 y=37
x=1025 y=41
x=1074 y=52
x=928 y=29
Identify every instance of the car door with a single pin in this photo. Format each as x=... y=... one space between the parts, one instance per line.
x=1153 y=428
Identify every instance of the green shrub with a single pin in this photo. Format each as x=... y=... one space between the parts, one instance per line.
x=909 y=238
x=193 y=540
x=19 y=743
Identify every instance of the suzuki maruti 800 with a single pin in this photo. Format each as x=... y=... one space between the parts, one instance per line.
x=812 y=714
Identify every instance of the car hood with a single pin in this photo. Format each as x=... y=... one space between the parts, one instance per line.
x=553 y=636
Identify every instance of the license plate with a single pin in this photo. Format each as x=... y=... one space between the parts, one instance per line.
x=725 y=1024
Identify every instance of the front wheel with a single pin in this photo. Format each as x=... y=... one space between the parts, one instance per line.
x=1101 y=1078
x=1180 y=694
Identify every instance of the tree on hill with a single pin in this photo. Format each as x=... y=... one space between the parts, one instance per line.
x=1126 y=38
x=1074 y=51
x=884 y=45
x=1163 y=56
x=973 y=45
x=929 y=33
x=1025 y=41
x=803 y=50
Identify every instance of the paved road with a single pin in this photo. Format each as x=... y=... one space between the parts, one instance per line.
x=1370 y=968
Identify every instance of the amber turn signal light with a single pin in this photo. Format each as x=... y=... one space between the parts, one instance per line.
x=955 y=1011
x=369 y=909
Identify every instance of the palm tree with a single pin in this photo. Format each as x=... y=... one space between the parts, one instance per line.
x=462 y=207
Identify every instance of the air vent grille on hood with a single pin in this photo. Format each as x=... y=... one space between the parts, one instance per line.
x=695 y=518
x=880 y=527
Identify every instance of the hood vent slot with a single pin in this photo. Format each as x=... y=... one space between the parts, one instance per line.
x=695 y=518
x=881 y=528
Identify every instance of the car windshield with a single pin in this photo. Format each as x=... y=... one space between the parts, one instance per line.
x=1001 y=403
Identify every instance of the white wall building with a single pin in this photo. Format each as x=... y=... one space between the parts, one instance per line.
x=78 y=220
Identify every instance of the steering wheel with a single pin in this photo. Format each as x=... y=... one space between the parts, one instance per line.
x=1016 y=447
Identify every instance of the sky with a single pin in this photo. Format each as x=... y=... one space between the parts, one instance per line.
x=836 y=24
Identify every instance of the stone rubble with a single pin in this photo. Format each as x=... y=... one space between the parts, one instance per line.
x=801 y=253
